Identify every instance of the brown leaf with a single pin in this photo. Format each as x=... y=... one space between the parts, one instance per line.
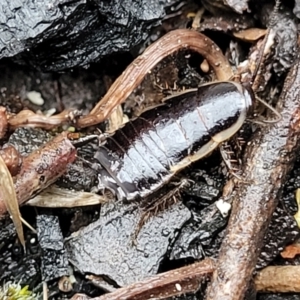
x=250 y=35
x=9 y=197
x=291 y=251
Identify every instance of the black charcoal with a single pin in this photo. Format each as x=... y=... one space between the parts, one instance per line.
x=106 y=247
x=282 y=231
x=54 y=257
x=63 y=34
x=199 y=233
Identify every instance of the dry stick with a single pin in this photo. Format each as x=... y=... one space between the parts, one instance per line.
x=268 y=39
x=3 y=122
x=176 y=282
x=8 y=194
x=278 y=279
x=42 y=167
x=268 y=160
x=30 y=119
x=173 y=41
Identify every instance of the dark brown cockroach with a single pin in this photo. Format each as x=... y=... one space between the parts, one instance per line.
x=147 y=152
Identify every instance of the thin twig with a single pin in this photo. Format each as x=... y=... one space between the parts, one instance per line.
x=278 y=279
x=173 y=41
x=187 y=279
x=42 y=167
x=268 y=160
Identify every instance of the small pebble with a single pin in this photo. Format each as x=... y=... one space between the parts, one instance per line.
x=35 y=98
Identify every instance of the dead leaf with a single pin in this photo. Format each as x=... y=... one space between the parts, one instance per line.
x=54 y=197
x=290 y=251
x=250 y=35
x=8 y=194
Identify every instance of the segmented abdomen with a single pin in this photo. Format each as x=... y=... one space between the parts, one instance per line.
x=144 y=155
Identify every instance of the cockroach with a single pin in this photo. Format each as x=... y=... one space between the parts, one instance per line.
x=147 y=152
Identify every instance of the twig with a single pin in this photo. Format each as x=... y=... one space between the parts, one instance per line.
x=188 y=279
x=42 y=167
x=278 y=279
x=267 y=163
x=3 y=122
x=30 y=119
x=173 y=41
x=176 y=282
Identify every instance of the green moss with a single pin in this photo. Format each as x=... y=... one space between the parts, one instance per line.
x=14 y=291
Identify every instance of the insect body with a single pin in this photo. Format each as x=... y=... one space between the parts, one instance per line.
x=147 y=152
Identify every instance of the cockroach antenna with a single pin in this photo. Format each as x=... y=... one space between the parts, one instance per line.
x=263 y=50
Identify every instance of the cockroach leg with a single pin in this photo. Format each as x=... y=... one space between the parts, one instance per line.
x=227 y=158
x=164 y=201
x=79 y=140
